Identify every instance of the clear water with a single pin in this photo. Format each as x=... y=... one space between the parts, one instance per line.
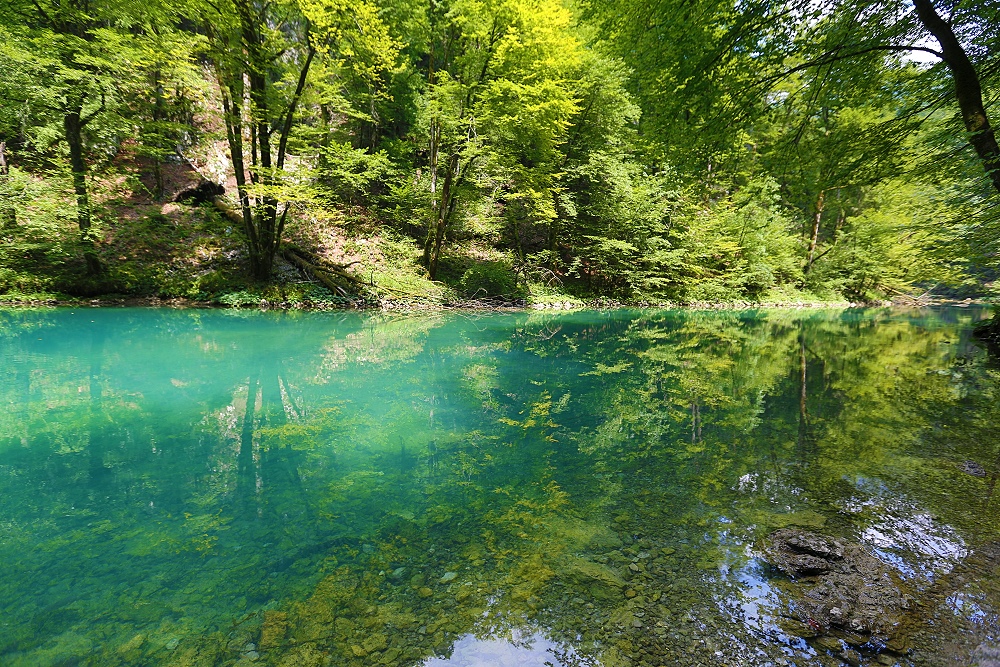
x=589 y=488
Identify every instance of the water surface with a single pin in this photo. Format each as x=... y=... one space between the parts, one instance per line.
x=587 y=488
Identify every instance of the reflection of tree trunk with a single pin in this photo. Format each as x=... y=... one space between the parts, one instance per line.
x=97 y=422
x=266 y=470
x=695 y=422
x=803 y=394
x=992 y=482
x=272 y=414
x=22 y=382
x=246 y=483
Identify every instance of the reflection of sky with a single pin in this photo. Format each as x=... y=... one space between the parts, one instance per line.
x=758 y=606
x=748 y=597
x=967 y=606
x=899 y=532
x=520 y=651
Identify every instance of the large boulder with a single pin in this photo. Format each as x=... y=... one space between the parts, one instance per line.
x=204 y=192
x=837 y=584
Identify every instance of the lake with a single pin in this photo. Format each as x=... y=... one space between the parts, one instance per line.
x=599 y=488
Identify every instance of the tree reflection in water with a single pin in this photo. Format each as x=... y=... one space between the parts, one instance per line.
x=204 y=487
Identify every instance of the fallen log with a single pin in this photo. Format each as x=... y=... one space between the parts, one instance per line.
x=319 y=273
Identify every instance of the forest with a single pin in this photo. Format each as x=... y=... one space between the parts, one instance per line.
x=534 y=151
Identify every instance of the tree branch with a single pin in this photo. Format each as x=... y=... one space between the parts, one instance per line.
x=93 y=114
x=835 y=56
x=289 y=113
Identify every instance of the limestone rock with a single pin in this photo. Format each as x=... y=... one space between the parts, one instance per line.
x=986 y=655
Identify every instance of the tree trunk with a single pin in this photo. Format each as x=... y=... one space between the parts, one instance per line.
x=262 y=257
x=435 y=204
x=261 y=241
x=554 y=231
x=73 y=125
x=232 y=113
x=263 y=224
x=159 y=115
x=968 y=90
x=8 y=214
x=435 y=145
x=443 y=214
x=817 y=218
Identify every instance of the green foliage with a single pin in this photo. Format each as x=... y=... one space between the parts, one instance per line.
x=356 y=176
x=37 y=244
x=743 y=247
x=489 y=279
x=637 y=150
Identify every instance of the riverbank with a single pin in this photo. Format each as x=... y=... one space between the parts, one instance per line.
x=168 y=253
x=423 y=304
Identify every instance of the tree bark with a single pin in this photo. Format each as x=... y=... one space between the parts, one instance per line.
x=73 y=125
x=159 y=115
x=435 y=205
x=968 y=90
x=435 y=144
x=233 y=115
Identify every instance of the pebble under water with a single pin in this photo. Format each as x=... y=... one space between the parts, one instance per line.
x=591 y=488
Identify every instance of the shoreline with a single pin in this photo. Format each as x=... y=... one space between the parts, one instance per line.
x=483 y=305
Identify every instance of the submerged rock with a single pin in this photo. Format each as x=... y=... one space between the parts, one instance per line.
x=601 y=581
x=273 y=631
x=986 y=655
x=800 y=553
x=836 y=584
x=972 y=468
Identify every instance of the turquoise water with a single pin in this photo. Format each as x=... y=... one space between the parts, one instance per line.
x=187 y=487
